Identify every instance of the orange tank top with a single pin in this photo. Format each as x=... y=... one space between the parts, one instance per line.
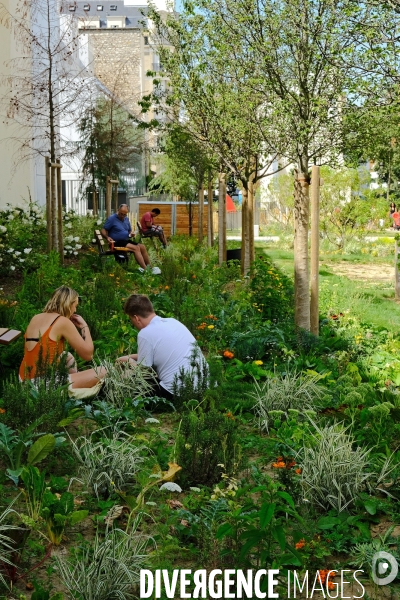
x=50 y=349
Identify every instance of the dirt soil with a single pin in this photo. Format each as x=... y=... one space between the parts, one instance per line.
x=369 y=272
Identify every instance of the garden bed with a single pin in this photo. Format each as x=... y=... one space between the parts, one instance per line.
x=254 y=456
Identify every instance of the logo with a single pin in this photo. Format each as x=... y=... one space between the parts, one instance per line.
x=384 y=568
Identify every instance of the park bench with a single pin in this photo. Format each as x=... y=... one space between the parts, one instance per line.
x=8 y=335
x=147 y=235
x=121 y=255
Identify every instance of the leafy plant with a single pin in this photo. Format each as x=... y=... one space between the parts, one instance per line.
x=35 y=485
x=191 y=384
x=333 y=473
x=109 y=568
x=25 y=402
x=272 y=290
x=283 y=393
x=207 y=445
x=13 y=445
x=108 y=463
x=58 y=512
x=6 y=542
x=255 y=531
x=257 y=343
x=124 y=383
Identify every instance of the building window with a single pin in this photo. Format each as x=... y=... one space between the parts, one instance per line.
x=99 y=7
x=113 y=7
x=86 y=7
x=72 y=8
x=146 y=40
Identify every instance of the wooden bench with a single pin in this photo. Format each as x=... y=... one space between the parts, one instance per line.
x=8 y=335
x=150 y=235
x=121 y=255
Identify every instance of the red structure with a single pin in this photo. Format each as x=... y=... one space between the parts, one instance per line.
x=230 y=205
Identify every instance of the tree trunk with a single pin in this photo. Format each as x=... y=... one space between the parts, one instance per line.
x=301 y=276
x=251 y=219
x=389 y=180
x=201 y=212
x=314 y=308
x=54 y=242
x=59 y=217
x=47 y=171
x=114 y=188
x=190 y=219
x=221 y=218
x=108 y=197
x=52 y=133
x=245 y=264
x=210 y=229
x=95 y=205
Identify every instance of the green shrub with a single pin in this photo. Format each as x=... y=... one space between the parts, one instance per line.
x=206 y=447
x=107 y=462
x=193 y=384
x=23 y=237
x=333 y=473
x=24 y=401
x=108 y=568
x=272 y=290
x=293 y=391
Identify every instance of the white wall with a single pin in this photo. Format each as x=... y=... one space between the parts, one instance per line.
x=16 y=177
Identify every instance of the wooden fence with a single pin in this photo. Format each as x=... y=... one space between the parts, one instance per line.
x=174 y=217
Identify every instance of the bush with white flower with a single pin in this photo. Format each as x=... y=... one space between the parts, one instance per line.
x=23 y=235
x=71 y=245
x=78 y=232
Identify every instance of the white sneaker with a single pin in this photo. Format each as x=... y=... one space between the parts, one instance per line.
x=156 y=271
x=141 y=269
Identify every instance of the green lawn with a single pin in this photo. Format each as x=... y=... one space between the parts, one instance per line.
x=371 y=302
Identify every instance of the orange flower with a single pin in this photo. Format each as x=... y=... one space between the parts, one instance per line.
x=229 y=415
x=2 y=411
x=193 y=276
x=228 y=354
x=279 y=465
x=300 y=544
x=323 y=574
x=298 y=471
x=291 y=464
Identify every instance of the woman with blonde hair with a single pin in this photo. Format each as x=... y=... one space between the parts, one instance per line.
x=46 y=336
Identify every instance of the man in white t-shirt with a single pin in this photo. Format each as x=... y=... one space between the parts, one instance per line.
x=163 y=343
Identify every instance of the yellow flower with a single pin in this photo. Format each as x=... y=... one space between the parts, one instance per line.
x=258 y=362
x=210 y=327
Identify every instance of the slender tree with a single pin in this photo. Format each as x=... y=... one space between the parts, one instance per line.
x=110 y=141
x=219 y=109
x=46 y=85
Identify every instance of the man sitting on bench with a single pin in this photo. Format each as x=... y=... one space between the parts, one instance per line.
x=148 y=227
x=118 y=229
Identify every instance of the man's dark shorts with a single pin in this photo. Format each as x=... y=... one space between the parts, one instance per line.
x=161 y=392
x=123 y=243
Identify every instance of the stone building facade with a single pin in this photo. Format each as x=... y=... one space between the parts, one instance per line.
x=117 y=63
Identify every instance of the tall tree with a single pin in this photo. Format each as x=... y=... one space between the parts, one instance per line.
x=109 y=140
x=311 y=59
x=45 y=89
x=208 y=89
x=47 y=84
